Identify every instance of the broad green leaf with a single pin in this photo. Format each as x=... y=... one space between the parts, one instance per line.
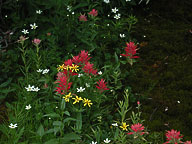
x=63 y=104
x=69 y=137
x=67 y=113
x=52 y=141
x=40 y=131
x=68 y=119
x=57 y=123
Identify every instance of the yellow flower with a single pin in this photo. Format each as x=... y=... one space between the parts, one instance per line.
x=66 y=67
x=87 y=102
x=124 y=126
x=77 y=99
x=67 y=97
x=61 y=67
x=74 y=68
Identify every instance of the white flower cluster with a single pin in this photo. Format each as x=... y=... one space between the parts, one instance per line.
x=106 y=1
x=43 y=71
x=122 y=35
x=105 y=141
x=117 y=16
x=32 y=88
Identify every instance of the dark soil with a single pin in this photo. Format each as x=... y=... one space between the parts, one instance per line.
x=163 y=78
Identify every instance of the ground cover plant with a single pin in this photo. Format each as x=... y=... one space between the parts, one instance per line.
x=64 y=69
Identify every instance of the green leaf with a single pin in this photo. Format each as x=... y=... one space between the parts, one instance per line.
x=67 y=113
x=116 y=58
x=5 y=83
x=52 y=141
x=52 y=115
x=80 y=6
x=69 y=137
x=63 y=104
x=19 y=135
x=57 y=123
x=79 y=121
x=40 y=131
x=68 y=119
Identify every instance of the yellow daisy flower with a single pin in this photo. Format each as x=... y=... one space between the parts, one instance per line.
x=87 y=102
x=67 y=97
x=124 y=126
x=77 y=99
x=74 y=68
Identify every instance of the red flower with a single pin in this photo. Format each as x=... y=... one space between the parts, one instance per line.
x=88 y=68
x=130 y=50
x=82 y=57
x=173 y=136
x=137 y=129
x=82 y=18
x=188 y=142
x=102 y=85
x=64 y=84
x=36 y=41
x=68 y=62
x=93 y=13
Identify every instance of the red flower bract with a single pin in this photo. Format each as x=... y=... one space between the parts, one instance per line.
x=174 y=136
x=81 y=58
x=188 y=142
x=130 y=50
x=64 y=84
x=102 y=85
x=88 y=68
x=82 y=18
x=93 y=12
x=137 y=128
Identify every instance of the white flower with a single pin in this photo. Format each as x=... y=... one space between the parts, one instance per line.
x=115 y=10
x=36 y=89
x=6 y=16
x=106 y=1
x=69 y=8
x=115 y=124
x=79 y=75
x=13 y=125
x=107 y=140
x=25 y=31
x=38 y=11
x=80 y=89
x=45 y=71
x=72 y=13
x=107 y=24
x=100 y=73
x=117 y=16
x=178 y=101
x=49 y=118
x=166 y=109
x=122 y=35
x=30 y=88
x=56 y=107
x=39 y=70
x=28 y=107
x=87 y=85
x=128 y=0
x=33 y=26
x=93 y=142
